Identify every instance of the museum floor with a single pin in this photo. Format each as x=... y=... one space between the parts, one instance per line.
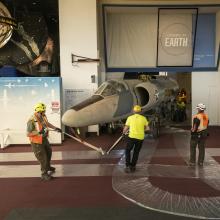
x=88 y=185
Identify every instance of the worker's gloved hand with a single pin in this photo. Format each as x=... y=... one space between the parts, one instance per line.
x=58 y=130
x=124 y=134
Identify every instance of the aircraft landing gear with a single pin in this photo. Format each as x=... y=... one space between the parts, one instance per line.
x=155 y=126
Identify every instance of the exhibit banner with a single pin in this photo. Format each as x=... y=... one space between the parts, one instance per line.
x=18 y=96
x=175 y=37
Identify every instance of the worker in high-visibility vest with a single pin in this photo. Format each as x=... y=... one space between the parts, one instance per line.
x=183 y=95
x=136 y=124
x=199 y=135
x=37 y=131
x=181 y=111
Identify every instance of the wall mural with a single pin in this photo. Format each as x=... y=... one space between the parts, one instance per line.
x=29 y=37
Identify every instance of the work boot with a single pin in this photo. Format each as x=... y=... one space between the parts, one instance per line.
x=132 y=169
x=46 y=177
x=200 y=164
x=52 y=169
x=191 y=164
x=127 y=170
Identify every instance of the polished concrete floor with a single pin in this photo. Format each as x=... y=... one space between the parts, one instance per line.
x=88 y=185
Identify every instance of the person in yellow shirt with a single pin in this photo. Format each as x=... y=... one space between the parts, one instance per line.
x=136 y=124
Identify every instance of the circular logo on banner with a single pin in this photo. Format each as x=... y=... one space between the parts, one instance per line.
x=176 y=39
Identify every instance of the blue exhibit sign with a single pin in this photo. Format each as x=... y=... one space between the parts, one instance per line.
x=204 y=54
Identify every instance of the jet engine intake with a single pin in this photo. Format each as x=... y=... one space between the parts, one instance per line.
x=153 y=92
x=142 y=95
x=145 y=93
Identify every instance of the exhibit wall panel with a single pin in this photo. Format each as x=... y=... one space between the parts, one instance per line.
x=18 y=96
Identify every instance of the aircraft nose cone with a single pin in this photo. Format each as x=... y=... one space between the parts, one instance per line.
x=70 y=118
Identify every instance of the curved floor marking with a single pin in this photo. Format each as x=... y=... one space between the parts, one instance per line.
x=153 y=185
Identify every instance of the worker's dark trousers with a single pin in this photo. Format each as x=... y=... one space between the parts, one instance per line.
x=200 y=141
x=136 y=145
x=43 y=153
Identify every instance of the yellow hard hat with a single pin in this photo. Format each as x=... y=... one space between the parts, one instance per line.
x=137 y=108
x=40 y=107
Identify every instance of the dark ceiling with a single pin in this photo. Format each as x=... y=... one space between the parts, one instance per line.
x=47 y=8
x=50 y=6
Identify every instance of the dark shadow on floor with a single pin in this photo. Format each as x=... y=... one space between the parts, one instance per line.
x=86 y=213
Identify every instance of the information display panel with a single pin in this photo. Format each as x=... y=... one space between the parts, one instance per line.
x=18 y=96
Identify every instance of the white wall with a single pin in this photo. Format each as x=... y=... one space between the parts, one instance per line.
x=78 y=35
x=205 y=89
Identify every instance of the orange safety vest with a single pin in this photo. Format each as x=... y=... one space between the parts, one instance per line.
x=204 y=120
x=38 y=126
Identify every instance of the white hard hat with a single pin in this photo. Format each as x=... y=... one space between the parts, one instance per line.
x=201 y=106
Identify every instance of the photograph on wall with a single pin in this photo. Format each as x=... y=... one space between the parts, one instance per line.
x=176 y=37
x=29 y=40
x=19 y=95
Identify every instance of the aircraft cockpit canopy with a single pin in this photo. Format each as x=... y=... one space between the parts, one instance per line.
x=110 y=88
